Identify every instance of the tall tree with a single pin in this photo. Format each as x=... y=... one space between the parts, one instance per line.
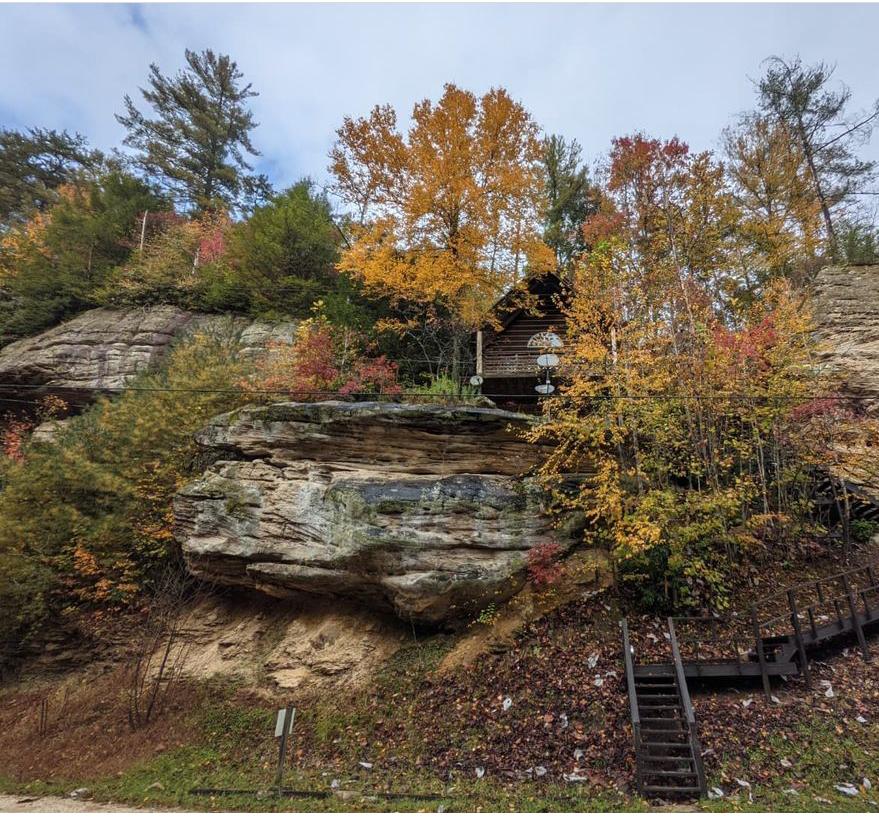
x=34 y=164
x=799 y=98
x=570 y=199
x=781 y=217
x=449 y=214
x=282 y=259
x=197 y=142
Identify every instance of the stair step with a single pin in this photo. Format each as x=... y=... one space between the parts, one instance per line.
x=678 y=759
x=668 y=722
x=672 y=789
x=667 y=744
x=669 y=773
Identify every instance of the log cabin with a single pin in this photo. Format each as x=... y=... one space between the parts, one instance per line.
x=526 y=322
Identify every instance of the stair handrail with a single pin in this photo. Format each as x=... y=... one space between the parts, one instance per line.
x=689 y=714
x=635 y=715
x=628 y=664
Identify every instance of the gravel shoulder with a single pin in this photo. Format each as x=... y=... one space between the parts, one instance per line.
x=54 y=803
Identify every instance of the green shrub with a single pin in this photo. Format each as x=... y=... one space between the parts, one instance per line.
x=85 y=520
x=443 y=389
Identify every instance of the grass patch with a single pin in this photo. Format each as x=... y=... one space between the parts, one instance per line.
x=802 y=775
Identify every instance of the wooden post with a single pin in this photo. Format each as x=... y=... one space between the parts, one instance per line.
x=812 y=622
x=285 y=729
x=479 y=352
x=798 y=635
x=853 y=608
x=761 y=655
x=143 y=230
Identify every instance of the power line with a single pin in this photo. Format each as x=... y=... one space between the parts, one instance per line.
x=390 y=396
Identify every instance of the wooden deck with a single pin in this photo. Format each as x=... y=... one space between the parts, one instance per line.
x=815 y=616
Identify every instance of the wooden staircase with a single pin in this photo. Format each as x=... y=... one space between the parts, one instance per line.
x=816 y=615
x=668 y=755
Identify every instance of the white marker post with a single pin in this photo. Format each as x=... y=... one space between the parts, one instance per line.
x=283 y=728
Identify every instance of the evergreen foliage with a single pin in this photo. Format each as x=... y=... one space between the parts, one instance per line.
x=570 y=199
x=53 y=265
x=197 y=143
x=34 y=164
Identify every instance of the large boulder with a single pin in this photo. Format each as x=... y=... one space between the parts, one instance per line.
x=103 y=349
x=424 y=510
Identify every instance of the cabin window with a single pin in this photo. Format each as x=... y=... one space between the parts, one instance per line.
x=544 y=340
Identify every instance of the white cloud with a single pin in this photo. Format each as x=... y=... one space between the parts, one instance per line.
x=590 y=72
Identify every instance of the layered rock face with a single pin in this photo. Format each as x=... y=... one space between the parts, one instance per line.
x=417 y=509
x=103 y=349
x=846 y=312
x=846 y=301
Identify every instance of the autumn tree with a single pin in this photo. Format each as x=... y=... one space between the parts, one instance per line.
x=448 y=214
x=570 y=199
x=781 y=218
x=85 y=519
x=55 y=263
x=799 y=98
x=676 y=413
x=197 y=141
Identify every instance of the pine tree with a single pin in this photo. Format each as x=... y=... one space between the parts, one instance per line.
x=797 y=97
x=197 y=143
x=33 y=165
x=570 y=197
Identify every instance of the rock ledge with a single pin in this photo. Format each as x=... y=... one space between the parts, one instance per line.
x=419 y=509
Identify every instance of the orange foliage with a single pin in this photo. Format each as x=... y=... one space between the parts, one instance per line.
x=451 y=211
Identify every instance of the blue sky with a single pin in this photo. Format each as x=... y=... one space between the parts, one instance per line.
x=587 y=71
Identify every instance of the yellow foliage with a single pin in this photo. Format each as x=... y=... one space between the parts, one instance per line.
x=450 y=212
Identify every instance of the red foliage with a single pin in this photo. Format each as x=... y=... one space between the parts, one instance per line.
x=636 y=160
x=13 y=438
x=601 y=227
x=373 y=375
x=543 y=565
x=748 y=347
x=318 y=365
x=212 y=246
x=830 y=408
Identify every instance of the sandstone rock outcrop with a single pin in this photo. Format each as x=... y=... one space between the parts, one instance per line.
x=103 y=349
x=419 y=509
x=846 y=304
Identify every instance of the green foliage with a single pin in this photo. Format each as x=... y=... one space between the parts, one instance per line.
x=196 y=144
x=571 y=199
x=440 y=389
x=86 y=520
x=863 y=530
x=859 y=243
x=52 y=266
x=281 y=260
x=33 y=165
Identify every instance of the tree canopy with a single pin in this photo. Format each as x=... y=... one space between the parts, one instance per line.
x=451 y=211
x=33 y=165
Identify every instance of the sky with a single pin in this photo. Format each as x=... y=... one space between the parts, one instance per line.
x=589 y=72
